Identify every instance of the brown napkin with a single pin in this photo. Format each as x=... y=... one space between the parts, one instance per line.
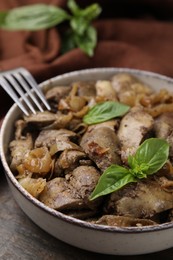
x=131 y=33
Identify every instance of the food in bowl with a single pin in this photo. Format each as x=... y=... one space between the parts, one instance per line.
x=103 y=154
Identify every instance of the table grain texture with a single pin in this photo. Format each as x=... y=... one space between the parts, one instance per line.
x=21 y=239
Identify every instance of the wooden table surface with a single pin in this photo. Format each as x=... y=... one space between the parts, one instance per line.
x=21 y=239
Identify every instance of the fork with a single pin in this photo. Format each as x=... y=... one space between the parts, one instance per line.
x=17 y=83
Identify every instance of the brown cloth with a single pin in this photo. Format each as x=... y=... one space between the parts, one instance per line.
x=131 y=33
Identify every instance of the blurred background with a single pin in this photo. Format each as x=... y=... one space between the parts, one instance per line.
x=131 y=33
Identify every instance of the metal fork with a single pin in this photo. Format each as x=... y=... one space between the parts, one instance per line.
x=17 y=83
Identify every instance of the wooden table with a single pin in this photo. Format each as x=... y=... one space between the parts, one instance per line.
x=21 y=239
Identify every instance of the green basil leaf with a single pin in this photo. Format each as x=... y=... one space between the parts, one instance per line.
x=34 y=17
x=79 y=25
x=90 y=12
x=132 y=162
x=87 y=42
x=151 y=155
x=105 y=111
x=74 y=8
x=82 y=17
x=113 y=179
x=70 y=41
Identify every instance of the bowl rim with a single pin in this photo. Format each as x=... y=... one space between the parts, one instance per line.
x=53 y=212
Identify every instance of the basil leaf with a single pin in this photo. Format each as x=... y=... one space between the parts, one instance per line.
x=89 y=13
x=153 y=154
x=70 y=41
x=105 y=111
x=132 y=162
x=87 y=42
x=34 y=17
x=74 y=8
x=79 y=25
x=82 y=18
x=113 y=179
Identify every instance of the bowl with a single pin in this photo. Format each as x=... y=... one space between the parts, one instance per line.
x=97 y=238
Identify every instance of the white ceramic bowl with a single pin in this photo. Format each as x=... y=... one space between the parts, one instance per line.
x=96 y=238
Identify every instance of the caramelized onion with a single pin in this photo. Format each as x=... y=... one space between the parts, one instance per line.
x=33 y=186
x=38 y=161
x=160 y=109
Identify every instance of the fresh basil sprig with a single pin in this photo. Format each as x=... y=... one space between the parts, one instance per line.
x=104 y=111
x=150 y=157
x=80 y=32
x=82 y=17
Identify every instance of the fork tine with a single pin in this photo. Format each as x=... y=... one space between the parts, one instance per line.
x=13 y=82
x=7 y=87
x=19 y=82
x=28 y=90
x=33 y=84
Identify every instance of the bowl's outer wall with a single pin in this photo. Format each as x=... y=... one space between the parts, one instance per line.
x=75 y=232
x=101 y=241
